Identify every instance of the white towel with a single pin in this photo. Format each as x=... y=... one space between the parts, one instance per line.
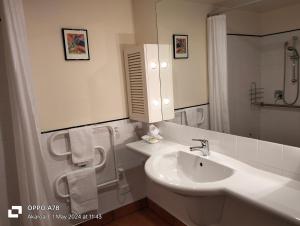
x=82 y=145
x=195 y=117
x=83 y=190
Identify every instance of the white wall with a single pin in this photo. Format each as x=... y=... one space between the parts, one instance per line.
x=189 y=75
x=144 y=14
x=72 y=93
x=243 y=69
x=266 y=68
x=243 y=22
x=278 y=125
x=283 y=19
x=254 y=23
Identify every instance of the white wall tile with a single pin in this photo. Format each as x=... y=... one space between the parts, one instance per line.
x=263 y=64
x=293 y=176
x=225 y=144
x=247 y=149
x=183 y=134
x=270 y=154
x=268 y=168
x=272 y=67
x=291 y=159
x=243 y=69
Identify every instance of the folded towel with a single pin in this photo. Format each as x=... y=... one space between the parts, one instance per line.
x=83 y=190
x=195 y=117
x=82 y=146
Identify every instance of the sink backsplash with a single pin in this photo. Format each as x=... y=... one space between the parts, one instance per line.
x=275 y=158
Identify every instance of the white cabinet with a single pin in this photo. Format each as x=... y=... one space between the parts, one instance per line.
x=149 y=82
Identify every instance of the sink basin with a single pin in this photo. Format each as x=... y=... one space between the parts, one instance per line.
x=199 y=169
x=199 y=179
x=187 y=173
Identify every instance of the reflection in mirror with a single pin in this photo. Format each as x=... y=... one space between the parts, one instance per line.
x=187 y=21
x=248 y=50
x=166 y=81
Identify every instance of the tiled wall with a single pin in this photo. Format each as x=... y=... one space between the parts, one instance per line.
x=243 y=69
x=272 y=157
x=287 y=122
x=261 y=60
x=133 y=164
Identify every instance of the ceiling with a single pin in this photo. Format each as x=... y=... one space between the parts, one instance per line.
x=257 y=6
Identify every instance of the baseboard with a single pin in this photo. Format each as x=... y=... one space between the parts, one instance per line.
x=162 y=213
x=131 y=208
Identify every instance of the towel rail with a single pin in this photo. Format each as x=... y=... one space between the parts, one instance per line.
x=60 y=133
x=202 y=120
x=99 y=187
x=100 y=165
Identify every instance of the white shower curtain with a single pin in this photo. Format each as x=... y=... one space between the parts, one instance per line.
x=34 y=185
x=217 y=73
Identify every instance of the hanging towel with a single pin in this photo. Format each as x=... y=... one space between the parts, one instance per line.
x=82 y=146
x=195 y=117
x=83 y=190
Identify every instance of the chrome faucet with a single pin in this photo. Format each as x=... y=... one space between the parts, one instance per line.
x=204 y=148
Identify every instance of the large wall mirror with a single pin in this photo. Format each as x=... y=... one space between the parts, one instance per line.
x=263 y=44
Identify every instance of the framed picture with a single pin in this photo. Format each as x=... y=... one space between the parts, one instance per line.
x=76 y=46
x=180 y=46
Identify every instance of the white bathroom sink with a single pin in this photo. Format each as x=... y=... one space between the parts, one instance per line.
x=199 y=169
x=186 y=172
x=174 y=167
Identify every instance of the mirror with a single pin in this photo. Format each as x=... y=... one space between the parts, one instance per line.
x=185 y=22
x=263 y=44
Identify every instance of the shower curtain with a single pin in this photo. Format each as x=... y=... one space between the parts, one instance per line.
x=32 y=178
x=217 y=73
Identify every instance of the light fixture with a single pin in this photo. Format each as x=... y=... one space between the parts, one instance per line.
x=153 y=65
x=166 y=101
x=155 y=103
x=164 y=65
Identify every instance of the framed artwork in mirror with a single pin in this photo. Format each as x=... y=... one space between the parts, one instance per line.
x=76 y=46
x=180 y=46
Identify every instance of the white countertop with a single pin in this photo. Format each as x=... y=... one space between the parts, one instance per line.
x=278 y=194
x=163 y=146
